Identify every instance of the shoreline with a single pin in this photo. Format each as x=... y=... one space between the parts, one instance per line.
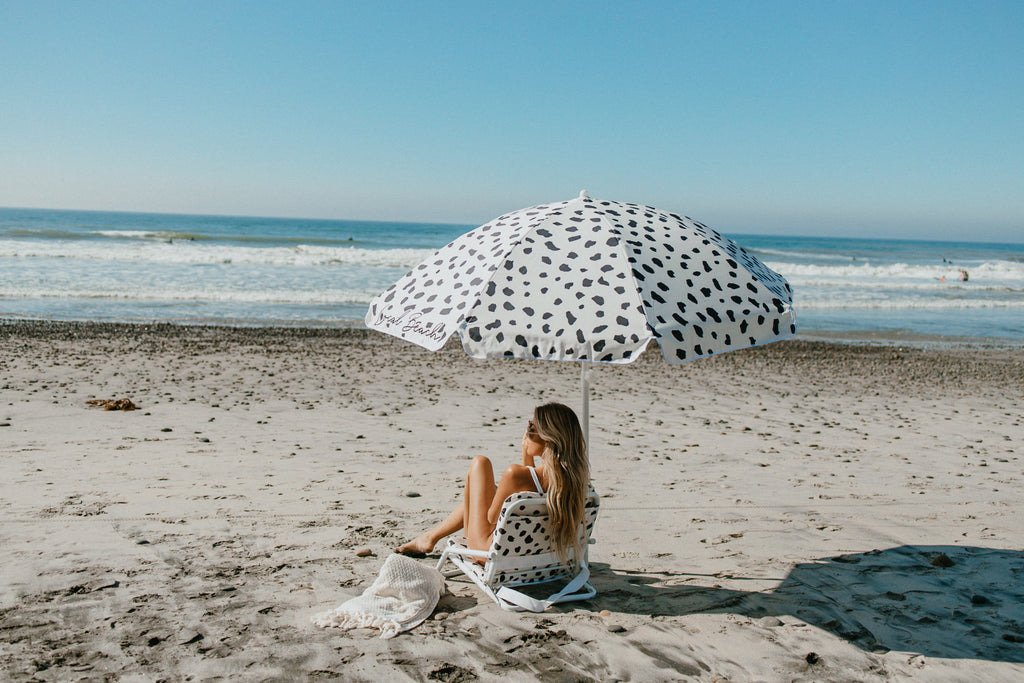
x=886 y=338
x=757 y=507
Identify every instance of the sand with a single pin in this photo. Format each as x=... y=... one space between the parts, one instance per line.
x=805 y=511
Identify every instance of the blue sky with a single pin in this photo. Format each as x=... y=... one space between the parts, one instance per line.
x=898 y=119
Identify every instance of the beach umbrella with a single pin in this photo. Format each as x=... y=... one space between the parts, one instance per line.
x=588 y=280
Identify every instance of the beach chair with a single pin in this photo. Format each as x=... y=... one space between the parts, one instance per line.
x=520 y=556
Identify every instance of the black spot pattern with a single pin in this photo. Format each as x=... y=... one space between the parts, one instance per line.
x=591 y=280
x=522 y=531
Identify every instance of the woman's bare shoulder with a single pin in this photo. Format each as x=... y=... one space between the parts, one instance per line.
x=517 y=470
x=518 y=477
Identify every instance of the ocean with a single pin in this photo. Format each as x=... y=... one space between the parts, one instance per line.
x=134 y=267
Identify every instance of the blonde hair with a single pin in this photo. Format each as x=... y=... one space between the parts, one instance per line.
x=568 y=470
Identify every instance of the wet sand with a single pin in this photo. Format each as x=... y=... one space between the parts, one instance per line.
x=805 y=511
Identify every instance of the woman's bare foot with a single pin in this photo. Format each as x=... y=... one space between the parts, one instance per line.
x=418 y=547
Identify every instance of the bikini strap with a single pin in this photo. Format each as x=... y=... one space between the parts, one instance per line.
x=536 y=481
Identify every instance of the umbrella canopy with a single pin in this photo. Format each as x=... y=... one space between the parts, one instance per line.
x=589 y=280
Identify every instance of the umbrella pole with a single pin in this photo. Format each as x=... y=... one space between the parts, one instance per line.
x=585 y=412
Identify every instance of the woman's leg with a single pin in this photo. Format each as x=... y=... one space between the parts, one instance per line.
x=479 y=488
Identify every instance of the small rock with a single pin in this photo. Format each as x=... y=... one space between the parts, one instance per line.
x=812 y=658
x=440 y=616
x=606 y=613
x=364 y=552
x=616 y=628
x=203 y=439
x=942 y=560
x=411 y=494
x=142 y=541
x=166 y=429
x=227 y=589
x=771 y=621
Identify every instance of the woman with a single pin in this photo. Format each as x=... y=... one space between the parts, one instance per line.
x=554 y=436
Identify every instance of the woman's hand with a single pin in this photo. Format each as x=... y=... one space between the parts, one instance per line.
x=533 y=446
x=527 y=457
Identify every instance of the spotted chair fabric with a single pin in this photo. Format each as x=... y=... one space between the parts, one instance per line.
x=522 y=532
x=521 y=554
x=589 y=279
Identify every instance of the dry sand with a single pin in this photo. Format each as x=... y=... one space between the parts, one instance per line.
x=800 y=512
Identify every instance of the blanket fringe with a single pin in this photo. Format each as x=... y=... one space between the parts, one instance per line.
x=338 y=618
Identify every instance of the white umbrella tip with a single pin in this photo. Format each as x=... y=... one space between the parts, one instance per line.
x=584 y=195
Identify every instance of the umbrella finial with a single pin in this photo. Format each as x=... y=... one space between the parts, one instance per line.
x=584 y=195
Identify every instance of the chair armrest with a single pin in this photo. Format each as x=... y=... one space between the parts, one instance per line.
x=455 y=549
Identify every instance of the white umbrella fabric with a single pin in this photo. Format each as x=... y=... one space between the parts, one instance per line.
x=588 y=280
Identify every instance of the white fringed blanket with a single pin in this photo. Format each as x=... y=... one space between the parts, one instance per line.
x=404 y=594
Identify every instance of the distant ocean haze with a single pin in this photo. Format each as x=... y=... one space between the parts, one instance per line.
x=72 y=265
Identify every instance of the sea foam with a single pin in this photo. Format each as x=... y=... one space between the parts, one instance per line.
x=187 y=252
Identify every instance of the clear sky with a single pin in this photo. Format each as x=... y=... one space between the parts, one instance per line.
x=899 y=119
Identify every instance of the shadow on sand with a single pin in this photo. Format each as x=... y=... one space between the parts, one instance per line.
x=939 y=601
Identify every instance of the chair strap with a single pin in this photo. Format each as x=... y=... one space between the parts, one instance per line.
x=520 y=599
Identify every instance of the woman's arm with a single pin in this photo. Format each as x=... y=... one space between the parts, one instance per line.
x=515 y=479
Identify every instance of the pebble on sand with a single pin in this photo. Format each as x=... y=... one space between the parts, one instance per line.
x=364 y=552
x=193 y=637
x=411 y=494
